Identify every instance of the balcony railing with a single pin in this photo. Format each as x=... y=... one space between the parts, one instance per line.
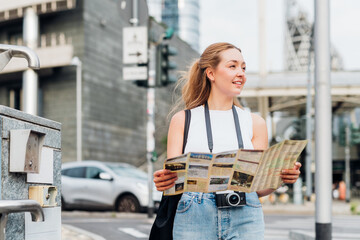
x=46 y=40
x=17 y=8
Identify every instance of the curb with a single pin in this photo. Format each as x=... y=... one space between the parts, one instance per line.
x=78 y=233
x=103 y=214
x=307 y=208
x=306 y=235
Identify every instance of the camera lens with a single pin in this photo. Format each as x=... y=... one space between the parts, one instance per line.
x=233 y=199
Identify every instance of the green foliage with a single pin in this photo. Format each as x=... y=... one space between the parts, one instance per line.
x=354 y=208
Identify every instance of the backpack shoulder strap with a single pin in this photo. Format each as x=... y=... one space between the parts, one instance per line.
x=186 y=128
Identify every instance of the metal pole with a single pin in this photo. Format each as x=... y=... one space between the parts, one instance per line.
x=79 y=111
x=135 y=19
x=150 y=128
x=77 y=62
x=30 y=92
x=309 y=130
x=323 y=117
x=298 y=198
x=262 y=39
x=151 y=125
x=30 y=77
x=347 y=162
x=263 y=101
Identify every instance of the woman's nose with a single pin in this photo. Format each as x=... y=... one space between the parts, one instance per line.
x=241 y=72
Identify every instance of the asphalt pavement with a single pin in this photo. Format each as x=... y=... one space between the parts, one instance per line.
x=308 y=208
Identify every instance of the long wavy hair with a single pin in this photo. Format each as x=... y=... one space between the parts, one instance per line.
x=195 y=85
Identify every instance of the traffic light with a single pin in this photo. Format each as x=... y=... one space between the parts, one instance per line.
x=154 y=156
x=342 y=134
x=355 y=134
x=299 y=130
x=164 y=65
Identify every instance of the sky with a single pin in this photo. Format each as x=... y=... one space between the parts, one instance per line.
x=236 y=21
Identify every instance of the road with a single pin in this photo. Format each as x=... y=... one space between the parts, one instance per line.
x=279 y=226
x=112 y=226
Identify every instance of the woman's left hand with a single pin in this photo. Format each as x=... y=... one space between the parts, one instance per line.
x=291 y=175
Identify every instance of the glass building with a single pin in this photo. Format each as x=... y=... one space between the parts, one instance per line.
x=181 y=15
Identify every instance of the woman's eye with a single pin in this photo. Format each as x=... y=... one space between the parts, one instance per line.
x=232 y=66
x=244 y=68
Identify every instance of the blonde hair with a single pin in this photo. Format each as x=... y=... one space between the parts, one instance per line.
x=196 y=86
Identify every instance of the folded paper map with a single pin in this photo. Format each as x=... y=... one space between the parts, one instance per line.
x=239 y=170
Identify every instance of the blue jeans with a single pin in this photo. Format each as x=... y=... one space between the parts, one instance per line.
x=197 y=217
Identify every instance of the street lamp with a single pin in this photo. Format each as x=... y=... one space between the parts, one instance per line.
x=77 y=62
x=9 y=51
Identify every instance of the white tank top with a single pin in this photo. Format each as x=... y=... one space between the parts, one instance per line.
x=223 y=130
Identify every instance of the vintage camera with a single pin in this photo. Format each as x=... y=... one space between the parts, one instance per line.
x=233 y=199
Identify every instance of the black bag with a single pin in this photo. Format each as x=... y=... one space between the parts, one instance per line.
x=164 y=221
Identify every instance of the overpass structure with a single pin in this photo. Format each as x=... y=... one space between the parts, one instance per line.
x=287 y=91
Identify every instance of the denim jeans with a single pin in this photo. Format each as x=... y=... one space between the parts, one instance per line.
x=197 y=217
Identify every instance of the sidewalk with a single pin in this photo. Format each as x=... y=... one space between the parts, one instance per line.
x=69 y=232
x=307 y=208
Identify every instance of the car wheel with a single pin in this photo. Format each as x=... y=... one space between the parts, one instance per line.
x=128 y=203
x=63 y=205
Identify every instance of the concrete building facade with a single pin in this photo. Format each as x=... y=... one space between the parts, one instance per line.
x=113 y=110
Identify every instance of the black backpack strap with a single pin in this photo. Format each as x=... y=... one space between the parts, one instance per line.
x=164 y=221
x=209 y=132
x=237 y=127
x=186 y=128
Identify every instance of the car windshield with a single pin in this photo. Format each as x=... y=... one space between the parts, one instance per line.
x=127 y=171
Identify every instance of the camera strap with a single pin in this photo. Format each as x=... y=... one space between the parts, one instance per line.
x=209 y=132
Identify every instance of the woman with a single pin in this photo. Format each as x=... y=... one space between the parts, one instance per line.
x=214 y=82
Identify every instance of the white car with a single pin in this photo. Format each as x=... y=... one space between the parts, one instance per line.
x=105 y=185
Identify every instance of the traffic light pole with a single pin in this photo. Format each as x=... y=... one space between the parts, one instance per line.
x=308 y=159
x=150 y=145
x=347 y=162
x=150 y=110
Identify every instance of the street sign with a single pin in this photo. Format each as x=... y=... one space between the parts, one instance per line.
x=135 y=45
x=135 y=73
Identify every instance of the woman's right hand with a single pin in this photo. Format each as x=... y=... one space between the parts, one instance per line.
x=164 y=179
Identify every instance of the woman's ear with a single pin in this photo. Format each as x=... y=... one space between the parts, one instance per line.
x=210 y=74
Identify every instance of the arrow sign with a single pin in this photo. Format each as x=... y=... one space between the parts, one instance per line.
x=138 y=54
x=135 y=44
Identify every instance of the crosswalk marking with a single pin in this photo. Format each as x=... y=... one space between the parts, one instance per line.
x=133 y=232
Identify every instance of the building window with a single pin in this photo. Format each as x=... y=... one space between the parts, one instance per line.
x=15 y=100
x=15 y=95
